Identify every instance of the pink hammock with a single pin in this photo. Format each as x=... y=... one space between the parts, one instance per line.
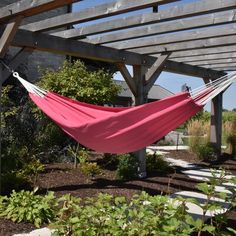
x=117 y=130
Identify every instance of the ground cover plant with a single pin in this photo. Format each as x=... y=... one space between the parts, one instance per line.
x=105 y=214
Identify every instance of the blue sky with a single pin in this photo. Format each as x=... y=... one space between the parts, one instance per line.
x=170 y=81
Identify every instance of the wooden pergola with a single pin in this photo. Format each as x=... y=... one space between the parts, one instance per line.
x=196 y=39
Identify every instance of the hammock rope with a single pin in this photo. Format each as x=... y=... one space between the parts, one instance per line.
x=122 y=130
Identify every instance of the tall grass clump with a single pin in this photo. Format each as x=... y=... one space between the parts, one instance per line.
x=229 y=130
x=199 y=136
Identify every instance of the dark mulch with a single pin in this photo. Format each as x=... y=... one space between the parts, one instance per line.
x=63 y=178
x=8 y=228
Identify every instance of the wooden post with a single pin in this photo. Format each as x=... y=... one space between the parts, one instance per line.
x=1 y=69
x=140 y=98
x=216 y=123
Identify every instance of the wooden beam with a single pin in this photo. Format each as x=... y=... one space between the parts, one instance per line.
x=208 y=33
x=213 y=19
x=199 y=58
x=154 y=71
x=222 y=65
x=16 y=61
x=203 y=51
x=127 y=76
x=173 y=13
x=92 y=13
x=182 y=46
x=75 y=48
x=213 y=62
x=8 y=35
x=27 y=8
x=185 y=69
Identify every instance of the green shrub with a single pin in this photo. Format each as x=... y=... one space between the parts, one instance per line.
x=205 y=152
x=142 y=215
x=31 y=170
x=90 y=168
x=156 y=163
x=127 y=167
x=26 y=206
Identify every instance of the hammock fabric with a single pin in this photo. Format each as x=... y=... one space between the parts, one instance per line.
x=117 y=130
x=123 y=130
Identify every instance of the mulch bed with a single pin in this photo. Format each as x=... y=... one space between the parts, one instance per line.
x=63 y=178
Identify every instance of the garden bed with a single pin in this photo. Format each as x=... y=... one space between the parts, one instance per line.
x=63 y=178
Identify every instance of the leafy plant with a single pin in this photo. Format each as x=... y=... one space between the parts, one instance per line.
x=32 y=169
x=127 y=167
x=26 y=206
x=205 y=152
x=90 y=168
x=157 y=163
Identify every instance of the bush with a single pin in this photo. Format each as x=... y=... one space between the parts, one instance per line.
x=205 y=152
x=229 y=129
x=141 y=215
x=90 y=169
x=156 y=163
x=128 y=167
x=26 y=206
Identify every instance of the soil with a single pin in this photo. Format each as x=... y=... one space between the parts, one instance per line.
x=63 y=178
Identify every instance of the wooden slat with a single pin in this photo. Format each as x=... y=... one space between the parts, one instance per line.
x=8 y=35
x=203 y=51
x=27 y=8
x=223 y=65
x=92 y=13
x=58 y=45
x=213 y=62
x=199 y=58
x=173 y=13
x=213 y=19
x=175 y=38
x=195 y=44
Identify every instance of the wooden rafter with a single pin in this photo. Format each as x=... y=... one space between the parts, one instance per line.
x=213 y=19
x=92 y=13
x=182 y=46
x=187 y=10
x=208 y=33
x=27 y=8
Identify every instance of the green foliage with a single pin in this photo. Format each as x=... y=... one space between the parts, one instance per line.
x=74 y=80
x=31 y=170
x=26 y=206
x=205 y=151
x=127 y=167
x=157 y=163
x=90 y=168
x=107 y=215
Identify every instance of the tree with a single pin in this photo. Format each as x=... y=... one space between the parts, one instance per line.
x=75 y=81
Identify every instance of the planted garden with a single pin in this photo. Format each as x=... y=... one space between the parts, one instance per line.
x=49 y=180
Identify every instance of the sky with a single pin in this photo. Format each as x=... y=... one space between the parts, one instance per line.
x=170 y=81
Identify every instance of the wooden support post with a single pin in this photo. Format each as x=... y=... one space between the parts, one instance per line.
x=1 y=69
x=140 y=98
x=8 y=35
x=216 y=123
x=155 y=70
